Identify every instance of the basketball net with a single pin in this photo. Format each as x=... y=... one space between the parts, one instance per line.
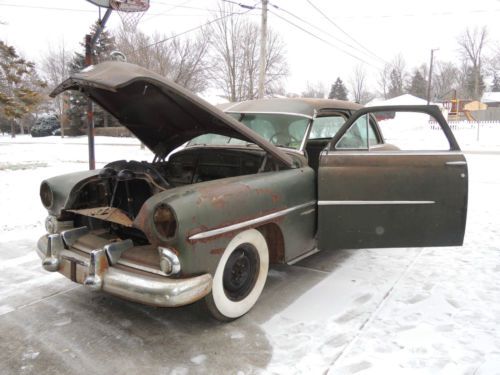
x=130 y=12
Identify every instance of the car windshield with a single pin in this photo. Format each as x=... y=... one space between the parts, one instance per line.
x=279 y=129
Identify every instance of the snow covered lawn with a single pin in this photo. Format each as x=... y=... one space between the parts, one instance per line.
x=384 y=311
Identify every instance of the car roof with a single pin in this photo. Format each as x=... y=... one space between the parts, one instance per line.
x=306 y=107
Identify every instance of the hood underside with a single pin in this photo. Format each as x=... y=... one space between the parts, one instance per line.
x=162 y=114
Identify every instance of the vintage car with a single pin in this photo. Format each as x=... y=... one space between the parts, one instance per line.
x=262 y=182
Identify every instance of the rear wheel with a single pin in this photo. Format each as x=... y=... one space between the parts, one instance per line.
x=240 y=276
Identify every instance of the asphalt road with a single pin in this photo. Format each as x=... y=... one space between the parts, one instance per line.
x=350 y=311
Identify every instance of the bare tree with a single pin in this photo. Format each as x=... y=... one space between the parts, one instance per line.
x=184 y=61
x=314 y=90
x=383 y=80
x=471 y=44
x=235 y=54
x=397 y=77
x=55 y=67
x=358 y=83
x=445 y=79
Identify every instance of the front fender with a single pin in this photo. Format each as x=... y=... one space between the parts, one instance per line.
x=209 y=214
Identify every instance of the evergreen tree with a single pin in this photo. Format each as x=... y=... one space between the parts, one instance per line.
x=338 y=90
x=78 y=102
x=418 y=85
x=19 y=85
x=496 y=83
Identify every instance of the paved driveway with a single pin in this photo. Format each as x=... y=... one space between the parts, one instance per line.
x=366 y=311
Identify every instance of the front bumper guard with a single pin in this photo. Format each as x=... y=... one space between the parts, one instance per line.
x=100 y=274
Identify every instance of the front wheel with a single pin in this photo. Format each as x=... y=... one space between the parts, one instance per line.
x=240 y=276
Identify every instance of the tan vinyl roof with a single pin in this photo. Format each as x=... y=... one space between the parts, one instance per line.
x=301 y=106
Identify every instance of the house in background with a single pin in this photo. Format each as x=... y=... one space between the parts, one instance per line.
x=492 y=99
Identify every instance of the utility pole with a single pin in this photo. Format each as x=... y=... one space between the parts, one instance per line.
x=263 y=49
x=429 y=81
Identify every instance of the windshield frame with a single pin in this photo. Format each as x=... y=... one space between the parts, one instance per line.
x=240 y=114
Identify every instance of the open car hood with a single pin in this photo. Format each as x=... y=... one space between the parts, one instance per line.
x=162 y=114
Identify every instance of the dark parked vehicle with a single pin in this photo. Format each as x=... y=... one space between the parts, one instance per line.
x=45 y=126
x=265 y=181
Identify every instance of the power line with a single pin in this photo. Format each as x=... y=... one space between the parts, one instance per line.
x=87 y=10
x=46 y=8
x=191 y=30
x=168 y=10
x=342 y=30
x=183 y=6
x=324 y=40
x=240 y=4
x=320 y=29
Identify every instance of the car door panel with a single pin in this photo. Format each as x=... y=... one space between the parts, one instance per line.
x=390 y=198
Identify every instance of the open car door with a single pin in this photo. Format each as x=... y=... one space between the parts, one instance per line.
x=409 y=189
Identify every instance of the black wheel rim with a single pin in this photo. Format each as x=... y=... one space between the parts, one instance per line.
x=240 y=272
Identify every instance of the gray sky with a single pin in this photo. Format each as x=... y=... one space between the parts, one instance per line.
x=385 y=27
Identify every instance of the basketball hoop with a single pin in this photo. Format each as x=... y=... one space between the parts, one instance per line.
x=130 y=11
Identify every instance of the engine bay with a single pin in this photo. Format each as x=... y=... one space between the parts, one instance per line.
x=112 y=200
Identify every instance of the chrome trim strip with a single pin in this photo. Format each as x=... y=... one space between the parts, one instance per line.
x=300 y=257
x=306 y=136
x=361 y=203
x=243 y=224
x=393 y=153
x=456 y=163
x=271 y=113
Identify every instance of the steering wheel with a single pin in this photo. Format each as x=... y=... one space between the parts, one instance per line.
x=283 y=139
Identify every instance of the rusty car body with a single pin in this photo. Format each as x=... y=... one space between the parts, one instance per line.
x=206 y=221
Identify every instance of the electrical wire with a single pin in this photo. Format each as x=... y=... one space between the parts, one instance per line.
x=343 y=31
x=325 y=41
x=321 y=30
x=166 y=11
x=85 y=10
x=45 y=8
x=191 y=30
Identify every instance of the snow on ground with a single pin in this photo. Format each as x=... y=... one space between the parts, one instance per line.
x=402 y=311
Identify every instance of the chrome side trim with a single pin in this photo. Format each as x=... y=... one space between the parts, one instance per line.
x=300 y=257
x=243 y=224
x=393 y=153
x=364 y=203
x=456 y=163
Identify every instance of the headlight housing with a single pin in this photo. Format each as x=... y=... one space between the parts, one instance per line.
x=164 y=221
x=46 y=195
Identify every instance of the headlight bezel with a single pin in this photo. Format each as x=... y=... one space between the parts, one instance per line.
x=164 y=221
x=46 y=195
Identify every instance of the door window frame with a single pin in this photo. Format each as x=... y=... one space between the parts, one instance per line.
x=431 y=110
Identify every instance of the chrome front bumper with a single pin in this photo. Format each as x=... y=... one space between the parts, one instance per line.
x=96 y=270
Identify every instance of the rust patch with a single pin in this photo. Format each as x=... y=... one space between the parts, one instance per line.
x=266 y=191
x=102 y=263
x=216 y=251
x=216 y=194
x=112 y=214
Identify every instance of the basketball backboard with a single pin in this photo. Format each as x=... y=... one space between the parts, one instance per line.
x=100 y=3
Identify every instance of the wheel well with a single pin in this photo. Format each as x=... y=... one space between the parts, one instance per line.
x=275 y=242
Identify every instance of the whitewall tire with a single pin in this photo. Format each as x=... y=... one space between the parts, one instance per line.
x=240 y=276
